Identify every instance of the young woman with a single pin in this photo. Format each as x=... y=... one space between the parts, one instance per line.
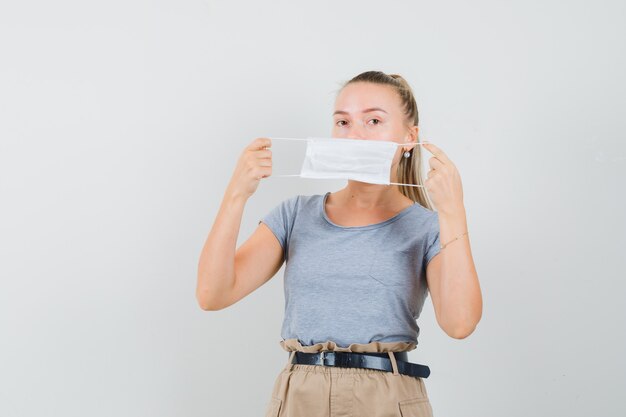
x=360 y=262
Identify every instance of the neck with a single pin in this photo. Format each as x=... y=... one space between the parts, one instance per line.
x=362 y=195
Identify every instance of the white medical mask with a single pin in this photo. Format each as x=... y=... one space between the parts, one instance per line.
x=356 y=159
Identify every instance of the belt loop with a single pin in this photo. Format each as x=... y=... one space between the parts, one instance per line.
x=394 y=365
x=289 y=364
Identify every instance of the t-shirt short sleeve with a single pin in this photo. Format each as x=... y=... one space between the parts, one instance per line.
x=280 y=220
x=433 y=246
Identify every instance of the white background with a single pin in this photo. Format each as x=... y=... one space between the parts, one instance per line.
x=121 y=123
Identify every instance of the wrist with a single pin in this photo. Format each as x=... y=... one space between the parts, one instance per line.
x=454 y=212
x=234 y=196
x=452 y=226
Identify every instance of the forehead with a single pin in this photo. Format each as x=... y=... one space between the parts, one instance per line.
x=361 y=95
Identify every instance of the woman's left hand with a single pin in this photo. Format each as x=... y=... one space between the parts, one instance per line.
x=444 y=182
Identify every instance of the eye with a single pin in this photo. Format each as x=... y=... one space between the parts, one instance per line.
x=376 y=120
x=339 y=121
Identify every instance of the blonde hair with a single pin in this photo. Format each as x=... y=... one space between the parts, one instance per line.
x=409 y=169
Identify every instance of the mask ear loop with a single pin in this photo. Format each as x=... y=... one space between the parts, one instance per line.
x=390 y=183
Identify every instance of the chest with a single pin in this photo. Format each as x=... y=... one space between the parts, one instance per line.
x=323 y=257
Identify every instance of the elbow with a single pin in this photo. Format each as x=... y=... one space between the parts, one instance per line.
x=207 y=307
x=206 y=304
x=462 y=327
x=460 y=333
x=461 y=330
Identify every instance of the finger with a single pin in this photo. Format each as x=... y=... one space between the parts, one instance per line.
x=435 y=163
x=439 y=154
x=431 y=173
x=261 y=143
x=263 y=153
x=427 y=184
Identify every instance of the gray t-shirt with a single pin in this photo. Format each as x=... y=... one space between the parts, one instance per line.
x=355 y=284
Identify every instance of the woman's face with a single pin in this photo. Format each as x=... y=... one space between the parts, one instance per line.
x=366 y=110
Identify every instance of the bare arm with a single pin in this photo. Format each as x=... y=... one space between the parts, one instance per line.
x=227 y=274
x=451 y=274
x=216 y=267
x=453 y=281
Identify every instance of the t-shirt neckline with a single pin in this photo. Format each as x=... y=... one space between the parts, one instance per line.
x=401 y=214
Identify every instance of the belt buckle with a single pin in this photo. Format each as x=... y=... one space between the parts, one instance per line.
x=322 y=357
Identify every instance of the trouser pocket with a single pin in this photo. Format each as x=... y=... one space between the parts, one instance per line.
x=415 y=407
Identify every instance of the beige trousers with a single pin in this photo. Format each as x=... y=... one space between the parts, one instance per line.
x=329 y=391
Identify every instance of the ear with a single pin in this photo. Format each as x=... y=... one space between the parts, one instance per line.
x=411 y=135
x=414 y=130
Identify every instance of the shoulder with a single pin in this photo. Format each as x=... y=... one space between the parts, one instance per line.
x=304 y=200
x=424 y=214
x=426 y=221
x=300 y=202
x=307 y=199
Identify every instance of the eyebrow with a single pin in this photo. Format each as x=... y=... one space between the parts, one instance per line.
x=364 y=111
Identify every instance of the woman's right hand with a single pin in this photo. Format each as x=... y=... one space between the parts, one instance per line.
x=255 y=163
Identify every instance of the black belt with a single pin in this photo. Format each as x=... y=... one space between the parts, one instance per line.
x=370 y=360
